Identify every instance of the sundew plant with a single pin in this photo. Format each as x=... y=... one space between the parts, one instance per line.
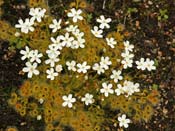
x=77 y=75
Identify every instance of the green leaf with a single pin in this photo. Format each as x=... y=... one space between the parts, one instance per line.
x=155 y=86
x=166 y=16
x=156 y=63
x=89 y=17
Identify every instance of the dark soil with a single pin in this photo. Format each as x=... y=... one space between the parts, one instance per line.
x=10 y=80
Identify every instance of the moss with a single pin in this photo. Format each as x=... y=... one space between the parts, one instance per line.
x=11 y=129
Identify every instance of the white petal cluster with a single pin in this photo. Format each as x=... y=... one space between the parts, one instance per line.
x=71 y=65
x=99 y=68
x=32 y=57
x=57 y=42
x=39 y=117
x=107 y=89
x=56 y=25
x=41 y=100
x=145 y=64
x=53 y=53
x=82 y=68
x=105 y=62
x=116 y=75
x=97 y=32
x=87 y=99
x=75 y=15
x=37 y=13
x=26 y=53
x=27 y=25
x=128 y=88
x=68 y=101
x=127 y=55
x=79 y=41
x=128 y=46
x=111 y=42
x=31 y=69
x=104 y=23
x=102 y=65
x=35 y=56
x=67 y=40
x=58 y=68
x=51 y=74
x=71 y=28
x=123 y=122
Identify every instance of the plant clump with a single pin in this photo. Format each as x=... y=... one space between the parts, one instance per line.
x=77 y=74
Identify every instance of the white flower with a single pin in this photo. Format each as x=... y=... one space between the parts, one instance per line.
x=51 y=74
x=71 y=65
x=107 y=88
x=78 y=43
x=127 y=63
x=149 y=64
x=128 y=47
x=116 y=75
x=75 y=14
x=17 y=34
x=78 y=34
x=66 y=40
x=58 y=68
x=98 y=68
x=57 y=42
x=37 y=13
x=104 y=22
x=97 y=33
x=39 y=117
x=68 y=100
x=25 y=26
x=111 y=42
x=88 y=99
x=83 y=67
x=123 y=121
x=31 y=69
x=119 y=90
x=36 y=56
x=53 y=52
x=145 y=64
x=135 y=87
x=127 y=55
x=56 y=25
x=128 y=88
x=105 y=62
x=71 y=28
x=41 y=101
x=26 y=53
x=52 y=61
x=74 y=45
x=141 y=64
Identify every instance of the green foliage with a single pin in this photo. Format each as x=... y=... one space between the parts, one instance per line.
x=163 y=15
x=89 y=17
x=132 y=10
x=155 y=86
